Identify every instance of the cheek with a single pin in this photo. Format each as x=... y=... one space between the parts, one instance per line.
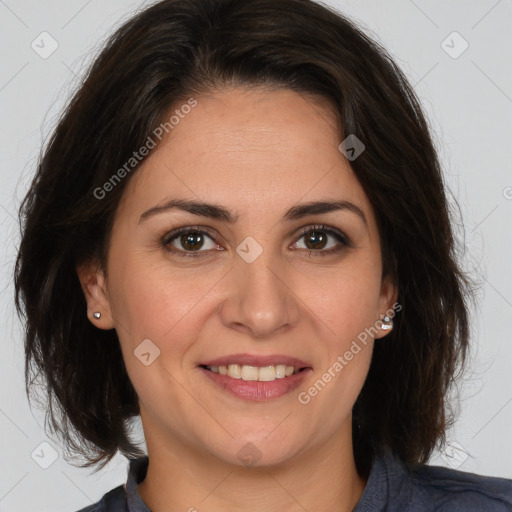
x=348 y=351
x=166 y=306
x=347 y=382
x=347 y=301
x=150 y=305
x=155 y=299
x=329 y=397
x=348 y=308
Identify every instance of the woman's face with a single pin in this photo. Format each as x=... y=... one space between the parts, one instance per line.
x=276 y=284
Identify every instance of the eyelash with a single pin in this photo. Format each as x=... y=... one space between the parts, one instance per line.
x=170 y=237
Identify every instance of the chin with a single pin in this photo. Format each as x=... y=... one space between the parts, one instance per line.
x=255 y=451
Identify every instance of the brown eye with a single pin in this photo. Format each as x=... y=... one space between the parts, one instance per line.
x=316 y=240
x=188 y=240
x=191 y=241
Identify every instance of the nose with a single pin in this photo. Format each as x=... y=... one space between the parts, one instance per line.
x=260 y=300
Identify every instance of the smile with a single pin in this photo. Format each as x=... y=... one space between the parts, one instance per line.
x=255 y=383
x=255 y=373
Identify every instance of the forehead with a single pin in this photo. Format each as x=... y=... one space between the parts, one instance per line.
x=253 y=150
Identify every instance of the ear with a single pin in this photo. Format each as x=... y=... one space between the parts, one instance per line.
x=94 y=285
x=387 y=304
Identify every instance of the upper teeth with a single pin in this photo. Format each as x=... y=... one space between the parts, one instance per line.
x=261 y=373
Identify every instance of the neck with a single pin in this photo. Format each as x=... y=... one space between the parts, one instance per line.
x=182 y=478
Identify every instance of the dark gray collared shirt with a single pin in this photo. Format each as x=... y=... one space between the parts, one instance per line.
x=390 y=488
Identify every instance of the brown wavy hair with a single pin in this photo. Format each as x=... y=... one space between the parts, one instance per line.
x=181 y=48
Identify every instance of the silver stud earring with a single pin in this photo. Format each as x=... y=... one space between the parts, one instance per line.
x=97 y=315
x=387 y=323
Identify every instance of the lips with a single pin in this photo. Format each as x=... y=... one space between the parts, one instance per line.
x=256 y=390
x=256 y=377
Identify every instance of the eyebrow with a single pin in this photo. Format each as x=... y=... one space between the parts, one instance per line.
x=217 y=212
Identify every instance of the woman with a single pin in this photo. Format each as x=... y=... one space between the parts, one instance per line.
x=239 y=232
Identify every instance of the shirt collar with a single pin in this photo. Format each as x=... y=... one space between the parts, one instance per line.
x=386 y=489
x=137 y=473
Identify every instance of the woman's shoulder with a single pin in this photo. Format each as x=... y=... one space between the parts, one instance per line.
x=125 y=497
x=393 y=486
x=112 y=501
x=453 y=490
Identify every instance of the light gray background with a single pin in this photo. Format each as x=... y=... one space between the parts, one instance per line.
x=468 y=100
